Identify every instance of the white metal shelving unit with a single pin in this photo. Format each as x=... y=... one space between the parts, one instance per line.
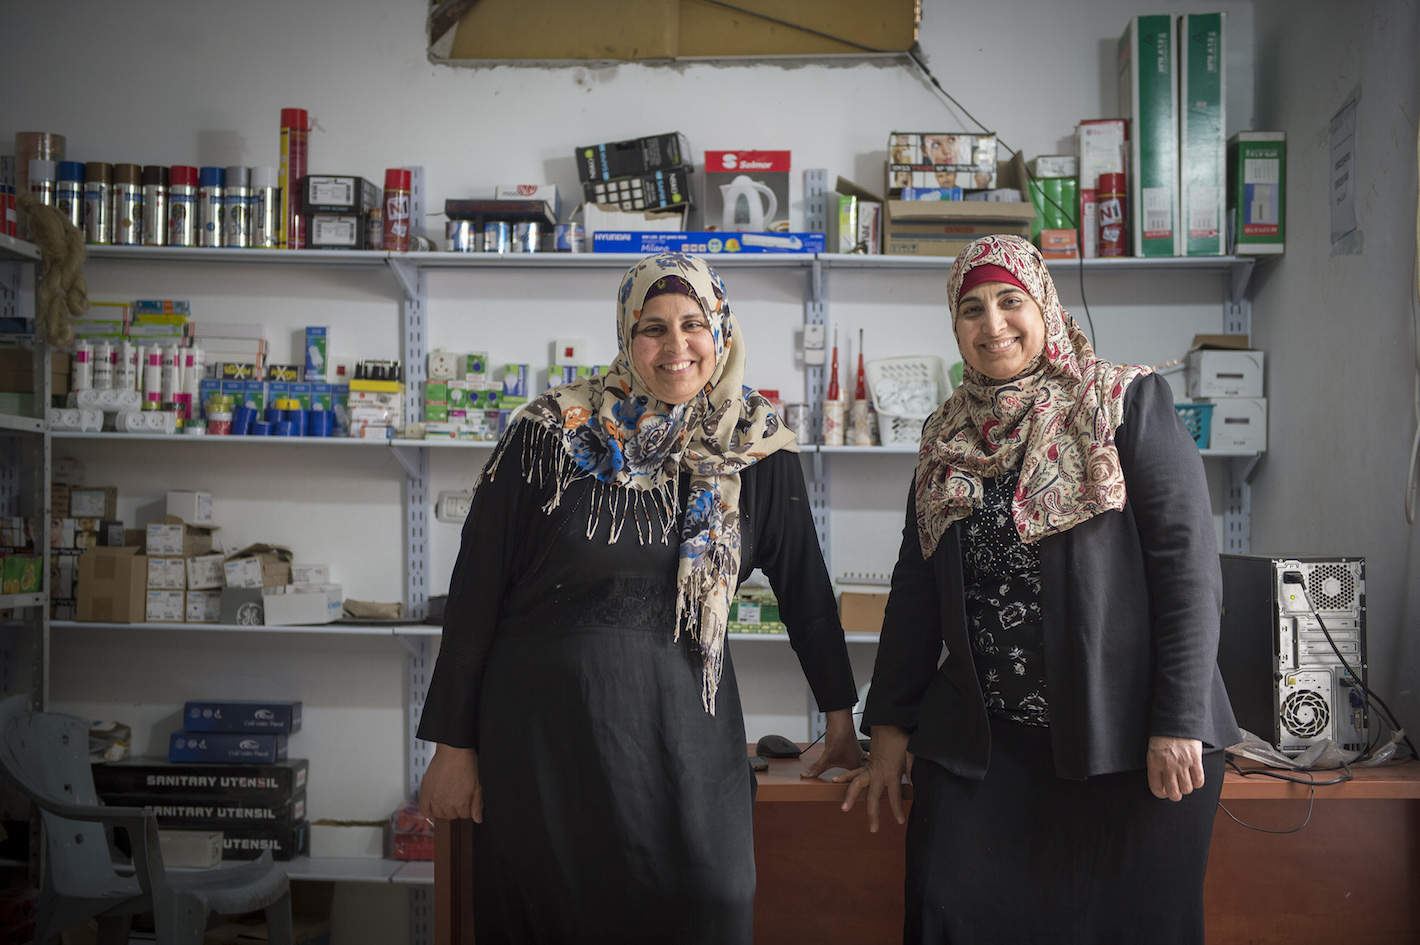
x=409 y=270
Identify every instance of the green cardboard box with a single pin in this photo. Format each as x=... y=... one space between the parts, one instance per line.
x=1148 y=97
x=1202 y=120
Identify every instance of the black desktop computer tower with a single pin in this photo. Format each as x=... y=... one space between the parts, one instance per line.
x=1287 y=682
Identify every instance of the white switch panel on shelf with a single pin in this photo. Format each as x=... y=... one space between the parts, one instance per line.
x=452 y=507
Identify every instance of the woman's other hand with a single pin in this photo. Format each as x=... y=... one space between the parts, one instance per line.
x=840 y=746
x=1175 y=766
x=888 y=760
x=450 y=789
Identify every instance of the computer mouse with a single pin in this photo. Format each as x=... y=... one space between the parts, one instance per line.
x=776 y=746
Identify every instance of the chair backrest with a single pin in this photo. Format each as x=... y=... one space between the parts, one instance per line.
x=46 y=756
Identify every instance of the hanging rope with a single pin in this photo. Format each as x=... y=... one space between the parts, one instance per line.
x=62 y=289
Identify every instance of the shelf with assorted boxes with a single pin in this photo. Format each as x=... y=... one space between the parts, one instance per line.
x=26 y=363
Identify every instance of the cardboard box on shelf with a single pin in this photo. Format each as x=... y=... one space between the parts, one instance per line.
x=1223 y=366
x=598 y=217
x=242 y=782
x=165 y=606
x=944 y=227
x=359 y=839
x=1104 y=148
x=861 y=612
x=310 y=574
x=547 y=193
x=226 y=747
x=747 y=191
x=172 y=537
x=635 y=156
x=112 y=585
x=259 y=565
x=190 y=849
x=167 y=573
x=211 y=715
x=93 y=502
x=1202 y=157
x=203 y=607
x=1238 y=423
x=654 y=190
x=933 y=159
x=315 y=604
x=205 y=572
x=854 y=219
x=707 y=242
x=1257 y=192
x=1148 y=97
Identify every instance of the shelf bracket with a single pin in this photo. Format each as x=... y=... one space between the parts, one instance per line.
x=1238 y=278
x=408 y=457
x=407 y=274
x=412 y=649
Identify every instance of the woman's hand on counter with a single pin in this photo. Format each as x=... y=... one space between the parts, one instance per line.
x=840 y=745
x=888 y=760
x=450 y=789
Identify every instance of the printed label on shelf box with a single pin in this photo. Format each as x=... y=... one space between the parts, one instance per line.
x=204 y=606
x=167 y=573
x=205 y=572
x=166 y=606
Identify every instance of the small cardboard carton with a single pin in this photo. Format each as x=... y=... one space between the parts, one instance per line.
x=861 y=612
x=112 y=585
x=173 y=537
x=945 y=227
x=259 y=565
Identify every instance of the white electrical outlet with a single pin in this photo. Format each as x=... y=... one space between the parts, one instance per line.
x=815 y=336
x=444 y=365
x=568 y=351
x=452 y=507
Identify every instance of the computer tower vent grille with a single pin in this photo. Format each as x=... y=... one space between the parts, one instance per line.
x=1306 y=713
x=1332 y=587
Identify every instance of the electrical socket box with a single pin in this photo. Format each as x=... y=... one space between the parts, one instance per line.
x=815 y=337
x=568 y=351
x=452 y=507
x=444 y=365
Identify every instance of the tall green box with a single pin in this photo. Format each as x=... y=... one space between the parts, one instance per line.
x=1148 y=97
x=1257 y=192
x=1203 y=174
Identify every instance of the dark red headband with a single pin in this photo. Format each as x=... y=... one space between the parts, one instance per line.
x=988 y=272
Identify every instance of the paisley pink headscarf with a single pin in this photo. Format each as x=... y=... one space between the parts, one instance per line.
x=1055 y=421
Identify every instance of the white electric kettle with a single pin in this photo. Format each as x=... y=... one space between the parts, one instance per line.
x=749 y=205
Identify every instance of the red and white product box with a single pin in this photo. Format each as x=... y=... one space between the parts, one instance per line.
x=747 y=191
x=1104 y=149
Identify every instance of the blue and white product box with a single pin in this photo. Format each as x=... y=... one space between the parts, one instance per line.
x=515 y=380
x=617 y=241
x=226 y=747
x=931 y=193
x=317 y=356
x=302 y=391
x=242 y=716
x=561 y=374
x=277 y=391
x=253 y=395
x=205 y=389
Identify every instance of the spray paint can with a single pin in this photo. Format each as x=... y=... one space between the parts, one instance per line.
x=98 y=224
x=182 y=205
x=155 y=205
x=266 y=208
x=127 y=208
x=41 y=180
x=396 y=202
x=236 y=200
x=69 y=192
x=28 y=146
x=209 y=207
x=1113 y=219
x=294 y=122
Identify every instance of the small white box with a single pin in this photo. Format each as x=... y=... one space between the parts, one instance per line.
x=194 y=508
x=310 y=574
x=352 y=840
x=1238 y=423
x=1223 y=373
x=204 y=606
x=190 y=849
x=168 y=574
x=166 y=607
x=205 y=572
x=569 y=351
x=243 y=572
x=323 y=603
x=165 y=539
x=1054 y=165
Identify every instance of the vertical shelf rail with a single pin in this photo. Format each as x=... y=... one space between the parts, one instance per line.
x=816 y=313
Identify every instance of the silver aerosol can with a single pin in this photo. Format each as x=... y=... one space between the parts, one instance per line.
x=209 y=206
x=155 y=205
x=236 y=206
x=127 y=208
x=182 y=205
x=98 y=222
x=266 y=208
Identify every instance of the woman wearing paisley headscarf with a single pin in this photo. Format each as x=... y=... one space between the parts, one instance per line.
x=584 y=702
x=1066 y=755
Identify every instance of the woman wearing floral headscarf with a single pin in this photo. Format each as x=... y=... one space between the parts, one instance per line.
x=584 y=702
x=1065 y=755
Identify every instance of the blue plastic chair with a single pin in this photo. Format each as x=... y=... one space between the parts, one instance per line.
x=46 y=757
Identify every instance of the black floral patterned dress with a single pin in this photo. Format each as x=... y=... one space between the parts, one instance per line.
x=1003 y=609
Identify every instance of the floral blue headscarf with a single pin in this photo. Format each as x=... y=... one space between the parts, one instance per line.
x=613 y=430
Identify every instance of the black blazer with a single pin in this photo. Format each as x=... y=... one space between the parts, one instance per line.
x=1131 y=602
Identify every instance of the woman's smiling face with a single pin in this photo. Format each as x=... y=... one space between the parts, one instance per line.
x=999 y=329
x=673 y=348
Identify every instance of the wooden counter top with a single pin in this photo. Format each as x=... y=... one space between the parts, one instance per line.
x=1393 y=781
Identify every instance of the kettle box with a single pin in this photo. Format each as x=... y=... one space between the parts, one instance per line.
x=747 y=191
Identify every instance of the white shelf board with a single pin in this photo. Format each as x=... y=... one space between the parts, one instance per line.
x=12 y=249
x=24 y=600
x=21 y=424
x=415 y=873
x=368 y=259
x=784 y=637
x=251 y=440
x=595 y=260
x=343 y=869
x=347 y=629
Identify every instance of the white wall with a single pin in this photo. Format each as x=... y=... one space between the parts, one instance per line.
x=1339 y=330
x=170 y=82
